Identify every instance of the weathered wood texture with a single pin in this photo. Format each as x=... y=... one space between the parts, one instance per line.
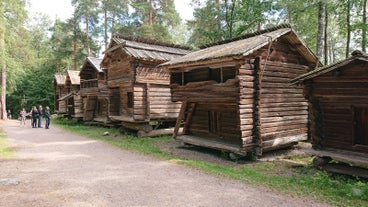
x=250 y=105
x=139 y=90
x=282 y=107
x=60 y=106
x=339 y=109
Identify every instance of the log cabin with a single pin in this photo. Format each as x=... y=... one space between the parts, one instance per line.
x=60 y=91
x=93 y=91
x=139 y=92
x=236 y=95
x=72 y=99
x=338 y=111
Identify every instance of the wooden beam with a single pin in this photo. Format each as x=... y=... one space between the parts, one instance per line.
x=180 y=118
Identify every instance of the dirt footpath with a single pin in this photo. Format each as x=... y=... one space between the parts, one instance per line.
x=55 y=168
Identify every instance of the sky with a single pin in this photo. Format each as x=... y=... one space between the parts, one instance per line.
x=63 y=8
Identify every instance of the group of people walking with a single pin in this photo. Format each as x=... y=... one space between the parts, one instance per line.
x=36 y=115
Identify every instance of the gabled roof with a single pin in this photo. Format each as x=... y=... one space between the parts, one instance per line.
x=95 y=62
x=74 y=76
x=59 y=79
x=146 y=49
x=356 y=56
x=246 y=45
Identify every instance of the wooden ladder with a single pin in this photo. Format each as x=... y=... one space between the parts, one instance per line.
x=184 y=117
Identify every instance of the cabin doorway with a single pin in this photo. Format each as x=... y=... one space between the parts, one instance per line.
x=361 y=127
x=115 y=102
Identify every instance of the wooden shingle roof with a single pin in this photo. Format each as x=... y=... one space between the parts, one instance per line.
x=95 y=62
x=59 y=79
x=245 y=45
x=146 y=50
x=356 y=56
x=73 y=75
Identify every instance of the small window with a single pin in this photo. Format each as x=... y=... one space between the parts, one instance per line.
x=215 y=74
x=130 y=99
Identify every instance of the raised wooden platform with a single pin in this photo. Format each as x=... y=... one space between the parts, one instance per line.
x=211 y=143
x=355 y=159
x=125 y=118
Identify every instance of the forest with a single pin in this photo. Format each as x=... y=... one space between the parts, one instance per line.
x=34 y=48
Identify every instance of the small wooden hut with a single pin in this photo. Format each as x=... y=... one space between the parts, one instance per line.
x=60 y=91
x=93 y=91
x=139 y=92
x=72 y=99
x=236 y=95
x=338 y=98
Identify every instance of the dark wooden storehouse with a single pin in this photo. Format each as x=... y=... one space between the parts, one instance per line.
x=236 y=95
x=338 y=98
x=60 y=91
x=72 y=99
x=93 y=91
x=139 y=92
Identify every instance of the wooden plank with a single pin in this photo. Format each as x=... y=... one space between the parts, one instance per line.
x=211 y=143
x=158 y=132
x=180 y=118
x=346 y=156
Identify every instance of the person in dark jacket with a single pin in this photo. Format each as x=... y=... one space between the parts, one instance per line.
x=39 y=116
x=34 y=117
x=47 y=117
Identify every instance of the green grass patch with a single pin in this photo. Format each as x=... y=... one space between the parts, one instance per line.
x=5 y=150
x=303 y=181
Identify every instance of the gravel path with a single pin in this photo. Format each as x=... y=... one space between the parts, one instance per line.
x=58 y=169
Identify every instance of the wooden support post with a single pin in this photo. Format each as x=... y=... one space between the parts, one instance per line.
x=180 y=118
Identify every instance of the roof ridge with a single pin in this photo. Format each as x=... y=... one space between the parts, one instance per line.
x=151 y=41
x=248 y=35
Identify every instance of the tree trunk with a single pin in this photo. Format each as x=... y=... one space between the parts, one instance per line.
x=3 y=66
x=75 y=55
x=364 y=29
x=150 y=20
x=325 y=36
x=218 y=16
x=321 y=28
x=87 y=35
x=105 y=27
x=347 y=50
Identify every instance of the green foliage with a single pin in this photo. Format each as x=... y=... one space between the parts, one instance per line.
x=218 y=20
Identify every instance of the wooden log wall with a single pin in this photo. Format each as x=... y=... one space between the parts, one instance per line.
x=337 y=97
x=89 y=104
x=62 y=104
x=101 y=109
x=114 y=102
x=159 y=102
x=211 y=97
x=78 y=107
x=126 y=88
x=139 y=102
x=228 y=124
x=283 y=111
x=120 y=71
x=247 y=110
x=207 y=92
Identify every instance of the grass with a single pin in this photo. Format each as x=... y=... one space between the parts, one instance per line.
x=304 y=181
x=5 y=151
